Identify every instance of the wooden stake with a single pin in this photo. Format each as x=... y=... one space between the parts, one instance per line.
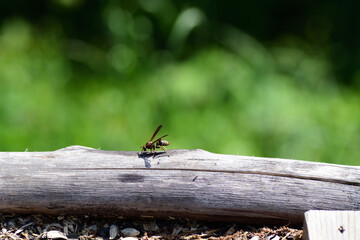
x=332 y=225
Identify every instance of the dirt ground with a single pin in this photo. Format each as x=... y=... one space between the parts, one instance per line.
x=13 y=227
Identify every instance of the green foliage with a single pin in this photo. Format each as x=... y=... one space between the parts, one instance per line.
x=235 y=97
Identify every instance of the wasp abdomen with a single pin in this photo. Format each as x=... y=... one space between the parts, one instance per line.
x=163 y=143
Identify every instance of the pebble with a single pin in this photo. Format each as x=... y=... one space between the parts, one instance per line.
x=113 y=232
x=274 y=237
x=130 y=232
x=151 y=226
x=55 y=235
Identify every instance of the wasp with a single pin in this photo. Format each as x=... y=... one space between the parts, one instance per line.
x=158 y=143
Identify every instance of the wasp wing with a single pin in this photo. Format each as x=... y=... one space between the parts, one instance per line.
x=156 y=131
x=160 y=138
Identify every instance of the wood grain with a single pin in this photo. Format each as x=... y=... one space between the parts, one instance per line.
x=332 y=225
x=184 y=183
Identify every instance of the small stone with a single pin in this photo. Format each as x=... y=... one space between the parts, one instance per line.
x=255 y=238
x=151 y=226
x=230 y=231
x=55 y=235
x=274 y=237
x=113 y=232
x=130 y=232
x=176 y=230
x=129 y=238
x=11 y=224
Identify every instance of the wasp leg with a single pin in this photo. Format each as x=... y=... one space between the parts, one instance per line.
x=153 y=151
x=164 y=149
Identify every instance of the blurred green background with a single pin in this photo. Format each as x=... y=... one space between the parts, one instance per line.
x=258 y=78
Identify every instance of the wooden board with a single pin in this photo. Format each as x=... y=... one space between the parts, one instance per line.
x=332 y=225
x=185 y=183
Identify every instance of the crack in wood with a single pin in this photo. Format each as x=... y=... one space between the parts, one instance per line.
x=223 y=171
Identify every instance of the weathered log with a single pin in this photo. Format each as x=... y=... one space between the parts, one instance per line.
x=179 y=183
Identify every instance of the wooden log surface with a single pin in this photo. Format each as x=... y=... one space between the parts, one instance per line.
x=181 y=183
